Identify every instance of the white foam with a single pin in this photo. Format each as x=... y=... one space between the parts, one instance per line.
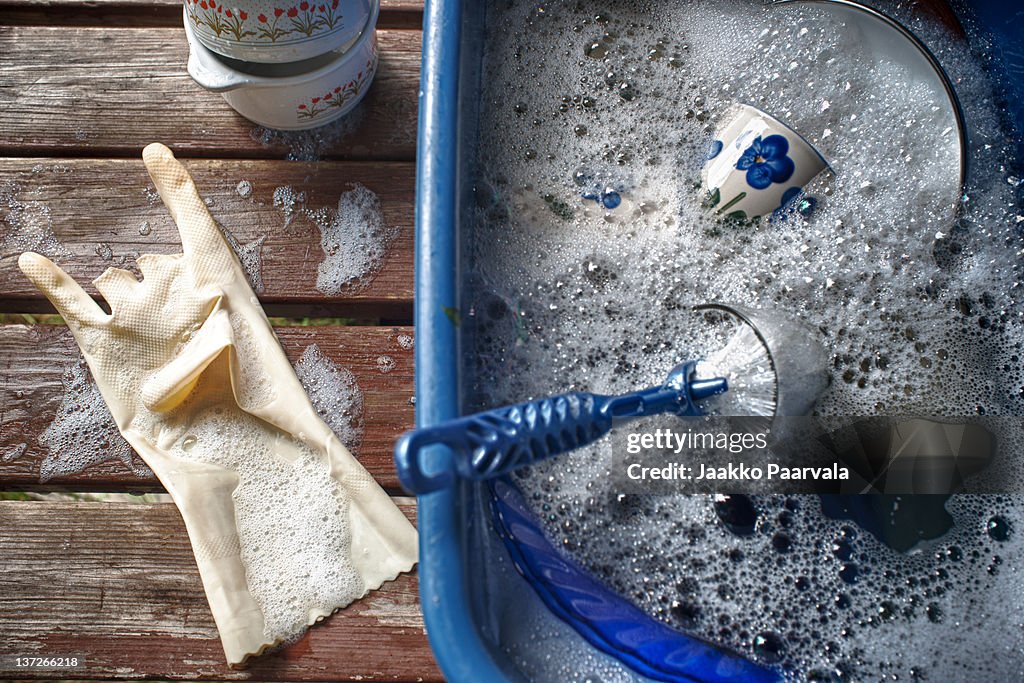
x=310 y=145
x=14 y=452
x=83 y=432
x=335 y=394
x=250 y=255
x=291 y=517
x=254 y=385
x=354 y=240
x=27 y=224
x=570 y=296
x=290 y=201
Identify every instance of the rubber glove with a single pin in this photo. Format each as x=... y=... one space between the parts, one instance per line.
x=285 y=524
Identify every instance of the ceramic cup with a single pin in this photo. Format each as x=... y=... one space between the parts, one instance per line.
x=757 y=165
x=277 y=31
x=289 y=96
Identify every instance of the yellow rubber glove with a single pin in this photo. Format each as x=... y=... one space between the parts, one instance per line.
x=286 y=525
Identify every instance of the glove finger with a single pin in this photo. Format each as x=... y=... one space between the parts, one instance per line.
x=61 y=289
x=201 y=240
x=117 y=286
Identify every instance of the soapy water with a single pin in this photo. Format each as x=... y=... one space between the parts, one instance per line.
x=26 y=224
x=290 y=514
x=14 y=452
x=83 y=432
x=385 y=364
x=335 y=394
x=250 y=255
x=591 y=245
x=354 y=239
x=290 y=201
x=310 y=145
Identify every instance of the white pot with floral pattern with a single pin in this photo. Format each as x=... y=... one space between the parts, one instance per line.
x=290 y=96
x=277 y=31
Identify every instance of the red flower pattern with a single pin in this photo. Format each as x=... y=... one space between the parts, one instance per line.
x=306 y=19
x=341 y=95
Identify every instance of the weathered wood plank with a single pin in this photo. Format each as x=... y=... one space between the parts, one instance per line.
x=94 y=205
x=117 y=89
x=33 y=360
x=394 y=14
x=117 y=584
x=386 y=6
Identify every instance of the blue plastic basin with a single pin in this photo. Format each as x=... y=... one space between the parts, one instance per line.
x=451 y=521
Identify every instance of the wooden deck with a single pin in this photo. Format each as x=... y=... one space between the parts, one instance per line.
x=84 y=86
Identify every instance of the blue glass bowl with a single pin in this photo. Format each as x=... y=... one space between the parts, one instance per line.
x=607 y=621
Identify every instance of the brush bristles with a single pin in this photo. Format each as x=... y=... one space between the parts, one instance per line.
x=746 y=365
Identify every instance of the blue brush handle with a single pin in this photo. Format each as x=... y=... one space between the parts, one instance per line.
x=496 y=442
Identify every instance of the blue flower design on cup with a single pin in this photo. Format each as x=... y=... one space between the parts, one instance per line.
x=766 y=162
x=756 y=166
x=715 y=149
